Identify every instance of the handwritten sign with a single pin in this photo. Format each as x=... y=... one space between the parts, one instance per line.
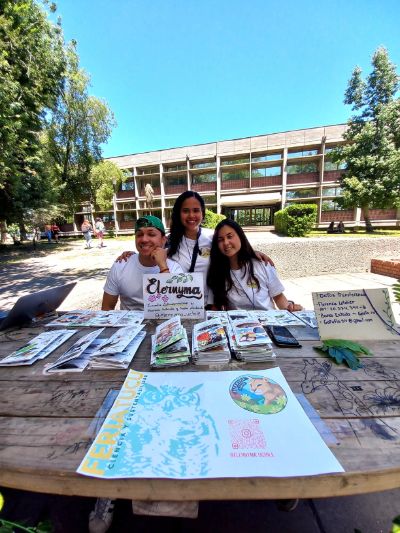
x=168 y=295
x=364 y=314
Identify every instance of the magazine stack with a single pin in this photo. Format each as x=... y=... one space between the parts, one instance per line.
x=91 y=347
x=210 y=343
x=117 y=360
x=249 y=341
x=169 y=345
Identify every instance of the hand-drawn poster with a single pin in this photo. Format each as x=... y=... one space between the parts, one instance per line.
x=168 y=295
x=207 y=425
x=363 y=314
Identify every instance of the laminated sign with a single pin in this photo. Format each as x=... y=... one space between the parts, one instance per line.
x=168 y=295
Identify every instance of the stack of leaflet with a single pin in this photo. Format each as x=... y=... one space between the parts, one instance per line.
x=102 y=350
x=277 y=317
x=94 y=319
x=169 y=345
x=38 y=348
x=121 y=358
x=249 y=341
x=222 y=316
x=210 y=344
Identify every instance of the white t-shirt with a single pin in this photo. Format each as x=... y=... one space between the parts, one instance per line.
x=245 y=295
x=125 y=280
x=184 y=254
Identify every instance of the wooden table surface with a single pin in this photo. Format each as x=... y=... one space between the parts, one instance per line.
x=47 y=424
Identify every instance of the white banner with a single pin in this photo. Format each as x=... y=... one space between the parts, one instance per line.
x=169 y=295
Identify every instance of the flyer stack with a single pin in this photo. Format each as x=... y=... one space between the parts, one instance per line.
x=248 y=339
x=169 y=345
x=210 y=343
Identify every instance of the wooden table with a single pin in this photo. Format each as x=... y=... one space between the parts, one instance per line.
x=48 y=422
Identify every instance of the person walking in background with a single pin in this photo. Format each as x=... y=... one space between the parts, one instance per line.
x=87 y=229
x=55 y=230
x=47 y=230
x=99 y=229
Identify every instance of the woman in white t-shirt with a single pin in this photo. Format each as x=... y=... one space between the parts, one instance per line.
x=237 y=279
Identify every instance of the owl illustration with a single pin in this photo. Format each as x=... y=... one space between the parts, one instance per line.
x=170 y=434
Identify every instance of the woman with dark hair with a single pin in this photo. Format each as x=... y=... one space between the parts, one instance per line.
x=188 y=243
x=236 y=277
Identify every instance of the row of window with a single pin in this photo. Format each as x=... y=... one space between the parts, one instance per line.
x=240 y=174
x=233 y=160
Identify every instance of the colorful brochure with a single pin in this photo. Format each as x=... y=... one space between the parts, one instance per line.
x=76 y=350
x=168 y=333
x=118 y=341
x=37 y=348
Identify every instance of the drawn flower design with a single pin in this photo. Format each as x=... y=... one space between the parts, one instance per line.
x=387 y=399
x=152 y=298
x=165 y=299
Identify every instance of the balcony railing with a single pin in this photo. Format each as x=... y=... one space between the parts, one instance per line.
x=306 y=177
x=235 y=184
x=126 y=194
x=204 y=187
x=175 y=189
x=266 y=181
x=333 y=175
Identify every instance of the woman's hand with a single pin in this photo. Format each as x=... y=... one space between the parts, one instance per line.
x=262 y=257
x=124 y=256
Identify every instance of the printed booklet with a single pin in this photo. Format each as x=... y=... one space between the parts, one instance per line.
x=167 y=334
x=107 y=319
x=210 y=343
x=38 y=348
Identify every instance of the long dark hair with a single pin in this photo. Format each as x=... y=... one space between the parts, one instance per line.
x=219 y=272
x=177 y=229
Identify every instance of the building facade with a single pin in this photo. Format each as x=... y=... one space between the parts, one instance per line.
x=246 y=179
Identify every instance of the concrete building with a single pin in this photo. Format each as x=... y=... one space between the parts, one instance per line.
x=245 y=179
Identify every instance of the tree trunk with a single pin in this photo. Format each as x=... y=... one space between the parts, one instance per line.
x=368 y=226
x=3 y=231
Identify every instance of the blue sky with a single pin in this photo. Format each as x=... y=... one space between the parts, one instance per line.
x=180 y=72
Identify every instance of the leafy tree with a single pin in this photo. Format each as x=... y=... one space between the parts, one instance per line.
x=77 y=129
x=101 y=185
x=372 y=152
x=31 y=68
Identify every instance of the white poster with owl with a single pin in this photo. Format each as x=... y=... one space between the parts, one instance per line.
x=207 y=425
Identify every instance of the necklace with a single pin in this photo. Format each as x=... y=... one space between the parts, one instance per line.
x=244 y=290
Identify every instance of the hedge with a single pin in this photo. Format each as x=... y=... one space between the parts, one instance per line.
x=296 y=220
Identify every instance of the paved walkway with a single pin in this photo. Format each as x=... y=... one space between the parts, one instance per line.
x=371 y=513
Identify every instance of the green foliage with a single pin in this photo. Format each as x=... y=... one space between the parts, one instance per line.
x=101 y=183
x=296 y=220
x=280 y=221
x=372 y=154
x=78 y=127
x=212 y=219
x=344 y=351
x=31 y=75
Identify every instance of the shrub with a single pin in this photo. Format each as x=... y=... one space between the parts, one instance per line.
x=212 y=219
x=280 y=221
x=296 y=220
x=301 y=219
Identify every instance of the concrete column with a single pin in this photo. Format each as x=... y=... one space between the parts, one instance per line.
x=162 y=191
x=218 y=160
x=321 y=178
x=189 y=184
x=136 y=182
x=284 y=176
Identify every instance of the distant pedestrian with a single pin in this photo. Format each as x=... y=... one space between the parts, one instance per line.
x=55 y=230
x=87 y=229
x=47 y=230
x=99 y=229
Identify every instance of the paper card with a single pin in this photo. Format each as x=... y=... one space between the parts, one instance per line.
x=37 y=348
x=208 y=334
x=119 y=340
x=168 y=295
x=190 y=425
x=364 y=314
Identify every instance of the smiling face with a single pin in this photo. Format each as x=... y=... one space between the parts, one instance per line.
x=228 y=242
x=191 y=216
x=147 y=240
